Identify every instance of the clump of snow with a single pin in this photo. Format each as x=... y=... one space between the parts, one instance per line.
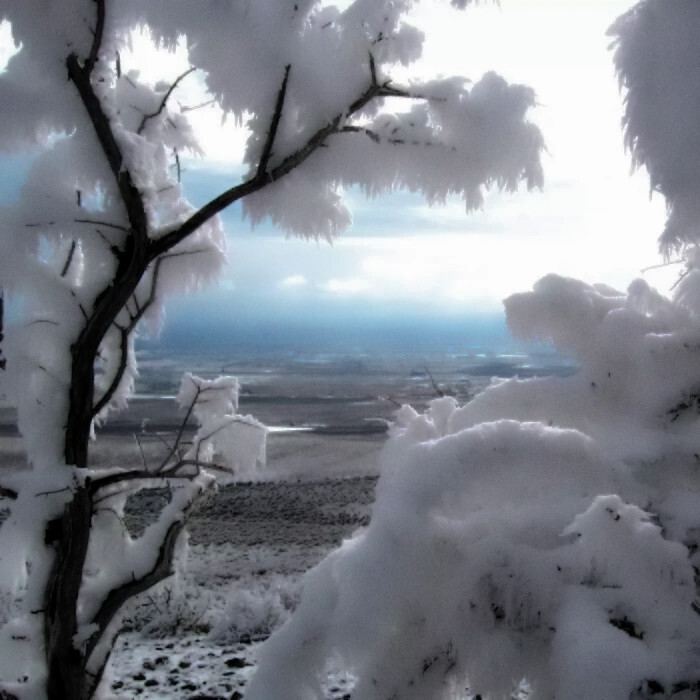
x=656 y=48
x=547 y=531
x=235 y=441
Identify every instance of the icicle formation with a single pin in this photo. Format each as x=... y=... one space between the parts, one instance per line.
x=546 y=531
x=657 y=44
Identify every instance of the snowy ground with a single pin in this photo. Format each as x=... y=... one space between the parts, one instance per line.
x=249 y=548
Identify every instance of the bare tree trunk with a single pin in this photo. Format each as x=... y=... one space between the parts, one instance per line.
x=66 y=665
x=2 y=325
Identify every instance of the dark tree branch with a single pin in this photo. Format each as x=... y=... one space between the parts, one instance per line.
x=159 y=438
x=114 y=385
x=124 y=342
x=173 y=473
x=143 y=454
x=263 y=177
x=274 y=124
x=3 y=361
x=133 y=201
x=97 y=222
x=164 y=101
x=162 y=568
x=133 y=262
x=8 y=493
x=372 y=68
x=133 y=475
x=178 y=167
x=187 y=108
x=97 y=37
x=436 y=388
x=69 y=260
x=181 y=429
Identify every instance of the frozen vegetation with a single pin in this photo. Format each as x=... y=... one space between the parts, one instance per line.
x=541 y=538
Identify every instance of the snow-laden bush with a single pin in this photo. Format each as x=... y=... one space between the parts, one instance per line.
x=171 y=611
x=546 y=531
x=252 y=615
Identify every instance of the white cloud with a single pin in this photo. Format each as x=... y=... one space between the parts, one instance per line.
x=294 y=282
x=349 y=286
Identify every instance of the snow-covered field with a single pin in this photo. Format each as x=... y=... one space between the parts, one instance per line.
x=198 y=636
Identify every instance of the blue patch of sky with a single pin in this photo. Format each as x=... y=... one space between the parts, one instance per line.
x=13 y=172
x=258 y=313
x=252 y=309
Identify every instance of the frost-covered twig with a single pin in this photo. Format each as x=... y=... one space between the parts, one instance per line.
x=164 y=101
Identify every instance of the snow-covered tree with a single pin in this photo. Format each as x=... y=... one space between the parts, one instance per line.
x=546 y=534
x=102 y=234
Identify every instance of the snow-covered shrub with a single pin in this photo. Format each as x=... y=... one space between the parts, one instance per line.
x=172 y=611
x=252 y=615
x=546 y=531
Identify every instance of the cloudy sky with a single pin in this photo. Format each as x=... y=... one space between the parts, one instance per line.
x=593 y=220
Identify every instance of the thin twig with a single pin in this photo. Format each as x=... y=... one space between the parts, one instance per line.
x=183 y=424
x=187 y=108
x=51 y=493
x=97 y=37
x=143 y=454
x=115 y=514
x=3 y=361
x=681 y=277
x=663 y=264
x=438 y=390
x=124 y=341
x=98 y=222
x=164 y=101
x=274 y=124
x=388 y=398
x=69 y=260
x=317 y=140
